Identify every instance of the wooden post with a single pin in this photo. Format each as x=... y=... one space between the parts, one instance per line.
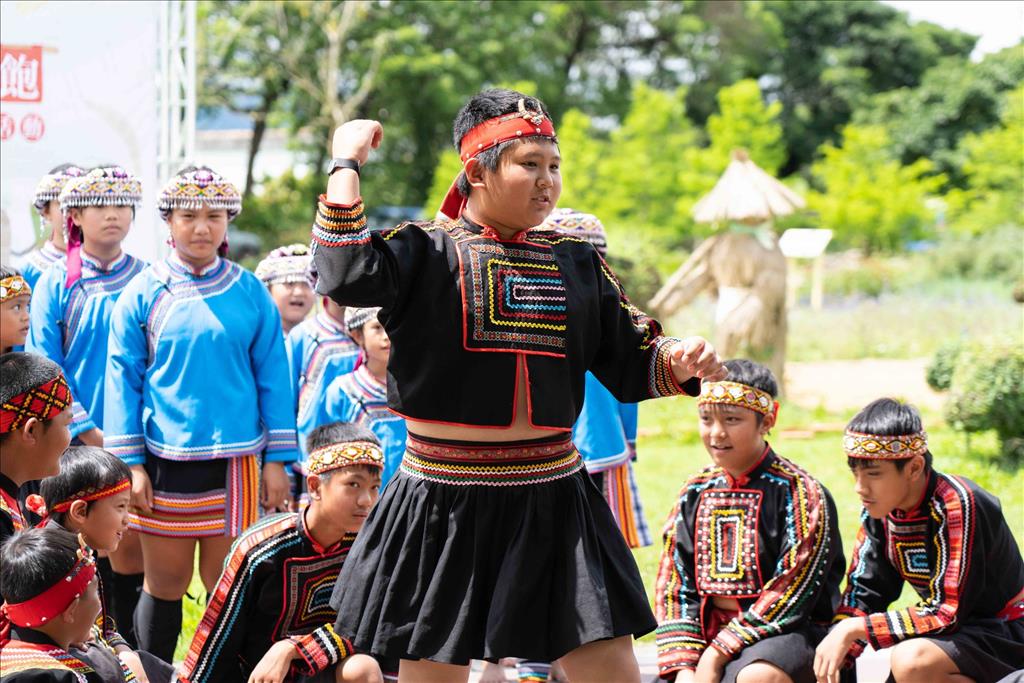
x=818 y=283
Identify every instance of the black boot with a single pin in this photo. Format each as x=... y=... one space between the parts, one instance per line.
x=125 y=593
x=158 y=625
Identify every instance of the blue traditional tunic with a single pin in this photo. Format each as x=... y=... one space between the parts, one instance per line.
x=197 y=368
x=71 y=327
x=320 y=351
x=361 y=398
x=38 y=261
x=605 y=431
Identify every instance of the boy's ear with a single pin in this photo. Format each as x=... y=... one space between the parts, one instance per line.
x=474 y=173
x=69 y=615
x=768 y=423
x=313 y=484
x=79 y=511
x=30 y=432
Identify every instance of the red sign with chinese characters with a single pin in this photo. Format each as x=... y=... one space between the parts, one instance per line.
x=21 y=73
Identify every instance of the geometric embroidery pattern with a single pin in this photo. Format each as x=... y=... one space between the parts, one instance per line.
x=727 y=545
x=309 y=586
x=908 y=551
x=514 y=298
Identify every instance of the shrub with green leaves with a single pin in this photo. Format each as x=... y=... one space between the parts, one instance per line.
x=939 y=373
x=987 y=392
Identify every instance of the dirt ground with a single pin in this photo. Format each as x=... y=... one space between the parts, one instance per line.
x=845 y=386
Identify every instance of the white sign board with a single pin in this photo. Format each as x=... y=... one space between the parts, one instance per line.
x=78 y=83
x=804 y=242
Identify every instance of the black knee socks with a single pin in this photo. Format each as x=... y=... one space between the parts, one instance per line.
x=125 y=596
x=157 y=625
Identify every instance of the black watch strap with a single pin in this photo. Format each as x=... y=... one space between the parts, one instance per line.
x=335 y=164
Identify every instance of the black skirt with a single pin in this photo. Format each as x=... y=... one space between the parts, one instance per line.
x=483 y=551
x=985 y=649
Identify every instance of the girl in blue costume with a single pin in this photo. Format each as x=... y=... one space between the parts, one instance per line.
x=199 y=403
x=47 y=205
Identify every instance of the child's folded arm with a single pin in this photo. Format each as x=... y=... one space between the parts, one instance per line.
x=680 y=635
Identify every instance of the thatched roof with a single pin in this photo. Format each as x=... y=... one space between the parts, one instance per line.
x=746 y=194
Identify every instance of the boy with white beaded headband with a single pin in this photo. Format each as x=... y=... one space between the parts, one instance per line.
x=268 y=620
x=752 y=558
x=945 y=536
x=199 y=403
x=493 y=326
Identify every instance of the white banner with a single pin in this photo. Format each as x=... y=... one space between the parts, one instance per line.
x=78 y=83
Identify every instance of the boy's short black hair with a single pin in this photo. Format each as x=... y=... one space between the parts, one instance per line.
x=34 y=560
x=20 y=371
x=743 y=371
x=82 y=468
x=487 y=105
x=887 y=417
x=340 y=432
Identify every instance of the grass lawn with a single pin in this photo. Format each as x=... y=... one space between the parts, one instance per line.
x=670 y=450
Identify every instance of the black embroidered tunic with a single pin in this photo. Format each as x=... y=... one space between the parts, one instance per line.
x=479 y=307
x=32 y=657
x=276 y=585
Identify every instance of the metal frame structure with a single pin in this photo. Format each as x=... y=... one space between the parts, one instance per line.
x=176 y=99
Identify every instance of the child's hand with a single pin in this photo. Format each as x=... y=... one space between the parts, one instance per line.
x=696 y=357
x=710 y=667
x=92 y=437
x=132 y=661
x=832 y=650
x=142 y=490
x=354 y=139
x=275 y=486
x=274 y=665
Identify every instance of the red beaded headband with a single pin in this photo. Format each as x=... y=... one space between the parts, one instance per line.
x=38 y=610
x=88 y=497
x=43 y=402
x=491 y=133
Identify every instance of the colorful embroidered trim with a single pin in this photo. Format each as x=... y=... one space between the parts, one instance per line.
x=51 y=184
x=286 y=265
x=492 y=464
x=37 y=610
x=193 y=189
x=355 y=318
x=112 y=186
x=220 y=512
x=736 y=394
x=12 y=287
x=89 y=495
x=43 y=403
x=491 y=133
x=340 y=455
x=875 y=447
x=586 y=226
x=339 y=225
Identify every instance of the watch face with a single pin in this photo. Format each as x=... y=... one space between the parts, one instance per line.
x=335 y=164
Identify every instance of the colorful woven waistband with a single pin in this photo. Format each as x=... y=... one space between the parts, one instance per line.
x=482 y=464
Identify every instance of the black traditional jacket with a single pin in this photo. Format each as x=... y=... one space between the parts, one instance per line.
x=768 y=539
x=276 y=585
x=32 y=657
x=478 y=307
x=957 y=552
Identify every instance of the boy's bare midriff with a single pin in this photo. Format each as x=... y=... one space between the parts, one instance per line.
x=519 y=430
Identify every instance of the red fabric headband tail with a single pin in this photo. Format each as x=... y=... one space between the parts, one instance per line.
x=491 y=133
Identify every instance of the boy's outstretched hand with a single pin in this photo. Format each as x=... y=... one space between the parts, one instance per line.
x=696 y=357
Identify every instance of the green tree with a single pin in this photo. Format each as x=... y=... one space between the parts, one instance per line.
x=994 y=171
x=870 y=200
x=745 y=121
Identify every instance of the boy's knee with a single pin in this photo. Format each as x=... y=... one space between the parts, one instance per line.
x=359 y=669
x=915 y=658
x=762 y=672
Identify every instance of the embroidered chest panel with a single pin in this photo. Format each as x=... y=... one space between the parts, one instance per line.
x=907 y=550
x=308 y=583
x=726 y=543
x=514 y=297
x=9 y=507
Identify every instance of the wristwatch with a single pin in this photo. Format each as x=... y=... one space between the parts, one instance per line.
x=335 y=164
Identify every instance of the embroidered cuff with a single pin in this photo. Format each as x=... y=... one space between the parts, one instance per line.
x=880 y=635
x=320 y=649
x=661 y=381
x=282 y=446
x=340 y=225
x=80 y=420
x=131 y=448
x=680 y=644
x=728 y=641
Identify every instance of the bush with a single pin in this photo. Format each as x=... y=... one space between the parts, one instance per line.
x=992 y=255
x=986 y=392
x=939 y=373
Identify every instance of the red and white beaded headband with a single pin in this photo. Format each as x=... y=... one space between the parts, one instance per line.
x=37 y=610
